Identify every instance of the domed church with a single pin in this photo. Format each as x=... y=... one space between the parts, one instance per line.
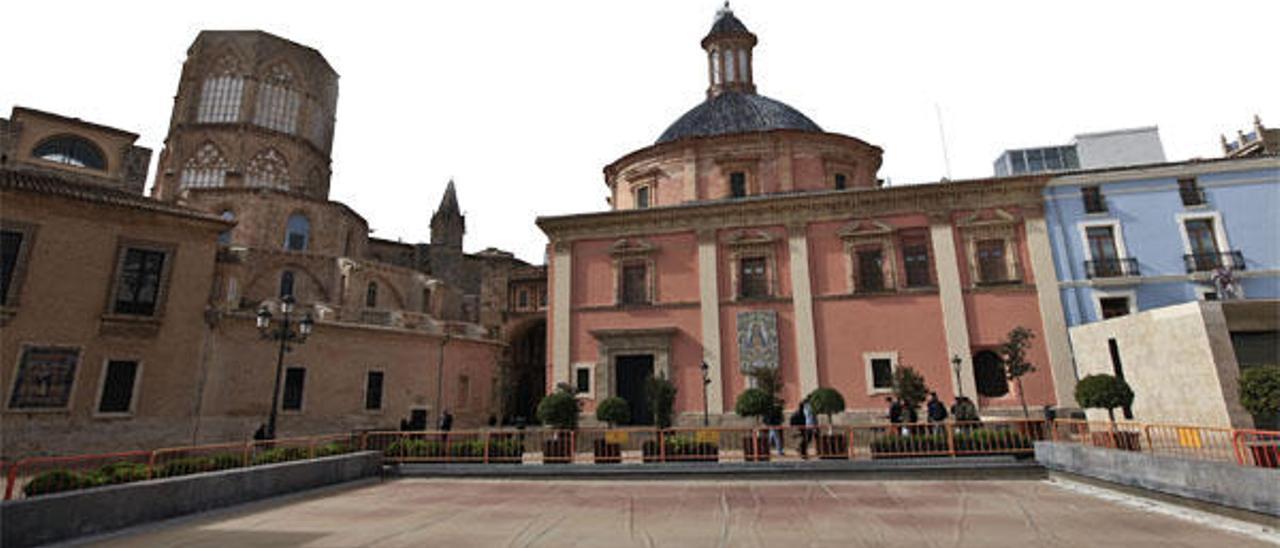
x=747 y=236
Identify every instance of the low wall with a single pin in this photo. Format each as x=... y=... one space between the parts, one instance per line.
x=1224 y=483
x=62 y=516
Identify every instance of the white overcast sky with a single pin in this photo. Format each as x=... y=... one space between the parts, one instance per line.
x=524 y=102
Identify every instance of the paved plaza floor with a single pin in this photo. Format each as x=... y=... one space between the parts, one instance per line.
x=788 y=514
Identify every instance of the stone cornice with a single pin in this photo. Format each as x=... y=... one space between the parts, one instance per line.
x=938 y=200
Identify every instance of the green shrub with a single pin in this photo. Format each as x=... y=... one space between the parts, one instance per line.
x=826 y=401
x=662 y=398
x=415 y=448
x=909 y=387
x=559 y=410
x=1103 y=392
x=280 y=454
x=224 y=461
x=184 y=466
x=505 y=447
x=753 y=402
x=57 y=481
x=1260 y=390
x=121 y=472
x=613 y=411
x=332 y=448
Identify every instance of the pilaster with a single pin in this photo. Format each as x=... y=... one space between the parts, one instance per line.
x=954 y=322
x=802 y=303
x=709 y=298
x=1061 y=364
x=562 y=269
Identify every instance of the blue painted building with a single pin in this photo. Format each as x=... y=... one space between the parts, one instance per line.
x=1143 y=237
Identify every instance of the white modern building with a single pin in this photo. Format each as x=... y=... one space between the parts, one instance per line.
x=1116 y=148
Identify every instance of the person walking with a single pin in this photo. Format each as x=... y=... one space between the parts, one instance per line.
x=936 y=412
x=810 y=428
x=773 y=419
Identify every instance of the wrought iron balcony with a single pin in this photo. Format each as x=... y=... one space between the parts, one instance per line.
x=1208 y=262
x=1111 y=268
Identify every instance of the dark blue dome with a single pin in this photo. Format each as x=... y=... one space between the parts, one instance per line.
x=734 y=112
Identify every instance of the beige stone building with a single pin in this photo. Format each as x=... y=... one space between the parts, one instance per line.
x=239 y=218
x=1183 y=362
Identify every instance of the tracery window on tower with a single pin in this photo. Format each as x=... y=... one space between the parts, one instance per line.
x=728 y=65
x=743 y=66
x=268 y=169
x=278 y=103
x=207 y=168
x=715 y=66
x=222 y=93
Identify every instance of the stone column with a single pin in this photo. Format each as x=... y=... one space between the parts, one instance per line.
x=802 y=304
x=1056 y=342
x=950 y=293
x=709 y=298
x=562 y=268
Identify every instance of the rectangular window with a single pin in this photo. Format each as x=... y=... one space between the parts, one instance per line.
x=1113 y=307
x=373 y=391
x=881 y=374
x=44 y=378
x=642 y=197
x=635 y=283
x=1019 y=161
x=737 y=184
x=294 y=379
x=117 y=387
x=870 y=270
x=138 y=287
x=1190 y=191
x=991 y=262
x=915 y=256
x=1035 y=161
x=841 y=181
x=1069 y=158
x=1204 y=244
x=752 y=278
x=10 y=246
x=1102 y=249
x=1093 y=202
x=582 y=380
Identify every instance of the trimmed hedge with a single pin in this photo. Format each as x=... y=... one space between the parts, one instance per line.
x=981 y=440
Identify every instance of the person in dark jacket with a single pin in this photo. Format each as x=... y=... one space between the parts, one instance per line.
x=773 y=419
x=446 y=421
x=895 y=410
x=936 y=412
x=797 y=423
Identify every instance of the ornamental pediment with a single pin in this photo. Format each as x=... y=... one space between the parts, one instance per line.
x=863 y=228
x=987 y=217
x=631 y=246
x=750 y=237
x=644 y=175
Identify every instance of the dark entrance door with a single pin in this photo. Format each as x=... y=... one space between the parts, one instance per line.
x=631 y=373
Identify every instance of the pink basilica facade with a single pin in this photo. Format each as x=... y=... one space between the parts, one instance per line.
x=749 y=237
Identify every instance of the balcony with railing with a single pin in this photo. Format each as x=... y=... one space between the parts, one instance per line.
x=1111 y=268
x=1208 y=262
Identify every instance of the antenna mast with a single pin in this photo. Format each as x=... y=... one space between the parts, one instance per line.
x=942 y=135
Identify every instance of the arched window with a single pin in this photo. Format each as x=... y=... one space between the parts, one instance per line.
x=297 y=233
x=988 y=374
x=72 y=151
x=268 y=168
x=286 y=283
x=371 y=295
x=222 y=92
x=277 y=102
x=225 y=237
x=207 y=168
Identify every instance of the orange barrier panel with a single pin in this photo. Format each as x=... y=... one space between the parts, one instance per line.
x=1257 y=448
x=1193 y=442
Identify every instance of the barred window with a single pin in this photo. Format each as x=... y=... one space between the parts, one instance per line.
x=277 y=103
x=220 y=99
x=268 y=169
x=207 y=168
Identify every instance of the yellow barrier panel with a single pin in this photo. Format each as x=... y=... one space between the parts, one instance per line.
x=615 y=436
x=707 y=436
x=1190 y=437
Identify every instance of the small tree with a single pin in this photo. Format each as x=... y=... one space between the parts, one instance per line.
x=613 y=411
x=909 y=387
x=1260 y=393
x=661 y=394
x=559 y=409
x=769 y=380
x=826 y=401
x=753 y=402
x=1014 y=353
x=1103 y=392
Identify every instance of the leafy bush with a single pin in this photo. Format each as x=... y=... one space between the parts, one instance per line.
x=909 y=386
x=662 y=399
x=1260 y=390
x=57 y=481
x=332 y=448
x=281 y=454
x=978 y=440
x=559 y=410
x=414 y=448
x=753 y=402
x=688 y=445
x=826 y=401
x=1103 y=392
x=505 y=447
x=120 y=472
x=613 y=411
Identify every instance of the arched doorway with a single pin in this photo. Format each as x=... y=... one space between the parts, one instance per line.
x=988 y=375
x=526 y=379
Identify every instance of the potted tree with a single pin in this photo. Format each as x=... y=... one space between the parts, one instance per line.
x=1013 y=353
x=611 y=411
x=1260 y=396
x=755 y=403
x=559 y=410
x=1108 y=392
x=909 y=387
x=828 y=401
x=661 y=394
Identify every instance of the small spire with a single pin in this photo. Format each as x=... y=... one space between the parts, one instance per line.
x=449 y=203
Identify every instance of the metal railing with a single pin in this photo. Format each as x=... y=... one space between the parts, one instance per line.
x=1244 y=447
x=1208 y=262
x=1111 y=268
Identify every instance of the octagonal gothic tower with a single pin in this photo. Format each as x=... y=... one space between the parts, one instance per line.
x=252 y=110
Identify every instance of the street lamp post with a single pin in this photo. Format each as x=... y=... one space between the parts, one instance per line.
x=955 y=366
x=287 y=336
x=706 y=380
